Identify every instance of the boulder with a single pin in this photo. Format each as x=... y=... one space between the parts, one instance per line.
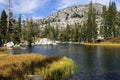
x=10 y=44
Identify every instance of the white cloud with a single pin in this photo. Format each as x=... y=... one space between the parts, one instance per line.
x=35 y=17
x=66 y=3
x=2 y=2
x=24 y=6
x=28 y=6
x=105 y=2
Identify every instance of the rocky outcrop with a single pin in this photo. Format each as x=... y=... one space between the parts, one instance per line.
x=45 y=41
x=70 y=15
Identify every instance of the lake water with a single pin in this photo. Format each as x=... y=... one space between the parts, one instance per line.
x=95 y=63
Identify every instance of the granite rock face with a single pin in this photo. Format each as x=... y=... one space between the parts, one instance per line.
x=70 y=16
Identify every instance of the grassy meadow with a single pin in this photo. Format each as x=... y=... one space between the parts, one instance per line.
x=113 y=42
x=105 y=44
x=18 y=67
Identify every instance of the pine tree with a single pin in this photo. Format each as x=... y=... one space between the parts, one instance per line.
x=72 y=33
x=83 y=32
x=16 y=31
x=29 y=31
x=20 y=26
x=67 y=33
x=76 y=33
x=94 y=29
x=3 y=27
x=114 y=14
x=109 y=19
x=11 y=28
x=104 y=28
x=118 y=24
x=56 y=33
x=91 y=24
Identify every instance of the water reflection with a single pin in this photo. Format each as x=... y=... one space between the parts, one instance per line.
x=96 y=63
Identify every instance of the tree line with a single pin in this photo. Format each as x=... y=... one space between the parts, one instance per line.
x=18 y=30
x=89 y=31
x=28 y=30
x=111 y=21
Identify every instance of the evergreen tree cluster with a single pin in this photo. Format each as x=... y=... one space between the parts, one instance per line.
x=111 y=21
x=28 y=31
x=72 y=33
x=50 y=32
x=91 y=24
x=3 y=27
x=11 y=32
x=89 y=31
x=16 y=31
x=76 y=32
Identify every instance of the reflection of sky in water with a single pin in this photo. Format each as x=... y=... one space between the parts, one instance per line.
x=95 y=63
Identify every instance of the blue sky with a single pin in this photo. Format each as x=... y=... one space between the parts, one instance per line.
x=43 y=8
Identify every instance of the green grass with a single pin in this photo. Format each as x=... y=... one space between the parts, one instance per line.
x=18 y=67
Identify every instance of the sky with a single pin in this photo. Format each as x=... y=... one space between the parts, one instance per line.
x=38 y=9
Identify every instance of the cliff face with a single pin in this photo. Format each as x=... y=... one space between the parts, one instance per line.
x=70 y=16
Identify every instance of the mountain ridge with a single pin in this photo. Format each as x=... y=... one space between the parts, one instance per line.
x=70 y=16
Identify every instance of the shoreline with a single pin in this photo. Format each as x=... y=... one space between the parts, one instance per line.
x=71 y=43
x=106 y=44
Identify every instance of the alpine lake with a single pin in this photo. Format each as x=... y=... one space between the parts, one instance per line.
x=94 y=62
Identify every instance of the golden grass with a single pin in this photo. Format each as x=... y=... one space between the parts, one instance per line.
x=114 y=40
x=107 y=44
x=18 y=67
x=3 y=50
x=58 y=70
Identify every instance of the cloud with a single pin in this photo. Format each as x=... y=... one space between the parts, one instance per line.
x=105 y=2
x=36 y=17
x=27 y=6
x=24 y=6
x=66 y=3
x=2 y=2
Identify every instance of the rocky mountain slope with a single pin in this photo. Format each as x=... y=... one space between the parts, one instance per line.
x=70 y=16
